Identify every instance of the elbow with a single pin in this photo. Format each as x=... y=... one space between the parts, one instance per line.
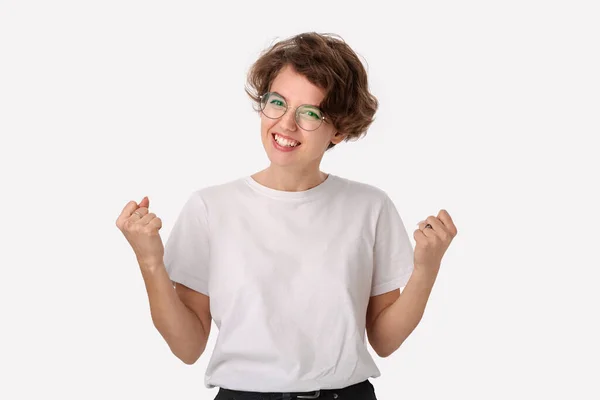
x=188 y=356
x=386 y=346
x=187 y=351
x=384 y=353
x=189 y=359
x=385 y=350
x=380 y=350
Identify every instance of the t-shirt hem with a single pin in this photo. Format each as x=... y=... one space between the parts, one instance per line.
x=191 y=282
x=397 y=283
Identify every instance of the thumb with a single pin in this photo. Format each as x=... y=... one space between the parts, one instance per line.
x=145 y=202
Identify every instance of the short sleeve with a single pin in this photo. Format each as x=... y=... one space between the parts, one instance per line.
x=187 y=248
x=393 y=255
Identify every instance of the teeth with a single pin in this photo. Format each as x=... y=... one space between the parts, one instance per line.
x=286 y=142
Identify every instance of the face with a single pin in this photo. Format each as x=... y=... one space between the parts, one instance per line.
x=277 y=134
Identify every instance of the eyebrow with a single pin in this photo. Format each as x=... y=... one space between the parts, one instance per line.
x=282 y=96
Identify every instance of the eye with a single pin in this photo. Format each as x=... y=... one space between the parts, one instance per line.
x=277 y=102
x=310 y=113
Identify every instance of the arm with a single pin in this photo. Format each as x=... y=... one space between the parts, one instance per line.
x=182 y=316
x=392 y=317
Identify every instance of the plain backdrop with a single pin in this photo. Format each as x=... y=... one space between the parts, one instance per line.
x=489 y=110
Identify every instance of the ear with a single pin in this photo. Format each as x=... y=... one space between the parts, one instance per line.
x=338 y=137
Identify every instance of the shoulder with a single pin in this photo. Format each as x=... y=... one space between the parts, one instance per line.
x=361 y=195
x=363 y=191
x=221 y=196
x=219 y=191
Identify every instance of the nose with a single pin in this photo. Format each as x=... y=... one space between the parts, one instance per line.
x=288 y=121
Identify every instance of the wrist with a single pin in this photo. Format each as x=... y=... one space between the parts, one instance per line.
x=151 y=265
x=425 y=273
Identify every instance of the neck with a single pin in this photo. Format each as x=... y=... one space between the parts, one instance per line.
x=289 y=180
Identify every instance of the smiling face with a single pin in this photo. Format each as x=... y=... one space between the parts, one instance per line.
x=287 y=144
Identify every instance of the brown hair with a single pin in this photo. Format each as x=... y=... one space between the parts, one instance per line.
x=328 y=63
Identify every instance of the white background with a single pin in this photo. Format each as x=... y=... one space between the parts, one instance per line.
x=487 y=109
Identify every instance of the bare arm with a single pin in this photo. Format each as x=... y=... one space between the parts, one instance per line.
x=181 y=315
x=392 y=317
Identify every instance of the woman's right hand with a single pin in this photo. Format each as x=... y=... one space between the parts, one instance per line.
x=140 y=228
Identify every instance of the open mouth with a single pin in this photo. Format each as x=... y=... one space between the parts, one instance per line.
x=285 y=142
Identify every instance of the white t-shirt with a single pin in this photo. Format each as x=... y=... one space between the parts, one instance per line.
x=289 y=276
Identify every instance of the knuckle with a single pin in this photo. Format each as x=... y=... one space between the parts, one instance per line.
x=148 y=230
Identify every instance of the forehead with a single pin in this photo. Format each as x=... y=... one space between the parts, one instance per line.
x=296 y=88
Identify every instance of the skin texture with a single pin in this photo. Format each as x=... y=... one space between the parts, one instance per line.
x=299 y=169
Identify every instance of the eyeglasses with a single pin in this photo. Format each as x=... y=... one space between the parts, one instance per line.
x=308 y=117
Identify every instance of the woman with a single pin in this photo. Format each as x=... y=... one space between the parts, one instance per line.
x=293 y=264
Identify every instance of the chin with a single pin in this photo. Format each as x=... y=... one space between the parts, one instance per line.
x=277 y=157
x=278 y=160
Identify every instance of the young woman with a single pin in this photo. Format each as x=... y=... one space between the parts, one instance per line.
x=297 y=267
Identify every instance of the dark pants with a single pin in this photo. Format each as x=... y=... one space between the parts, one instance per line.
x=360 y=391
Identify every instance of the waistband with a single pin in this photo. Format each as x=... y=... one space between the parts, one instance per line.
x=341 y=392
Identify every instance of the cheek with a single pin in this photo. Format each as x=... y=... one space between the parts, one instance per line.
x=266 y=124
x=323 y=136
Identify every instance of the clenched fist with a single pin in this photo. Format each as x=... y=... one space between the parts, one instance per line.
x=432 y=240
x=140 y=228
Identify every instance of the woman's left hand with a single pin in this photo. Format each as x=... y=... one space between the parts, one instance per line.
x=432 y=243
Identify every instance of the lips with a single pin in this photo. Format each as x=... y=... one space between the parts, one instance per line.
x=283 y=147
x=291 y=139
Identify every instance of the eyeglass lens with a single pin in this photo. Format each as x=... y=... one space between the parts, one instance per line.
x=308 y=117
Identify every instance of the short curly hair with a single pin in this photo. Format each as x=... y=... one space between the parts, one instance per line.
x=328 y=63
